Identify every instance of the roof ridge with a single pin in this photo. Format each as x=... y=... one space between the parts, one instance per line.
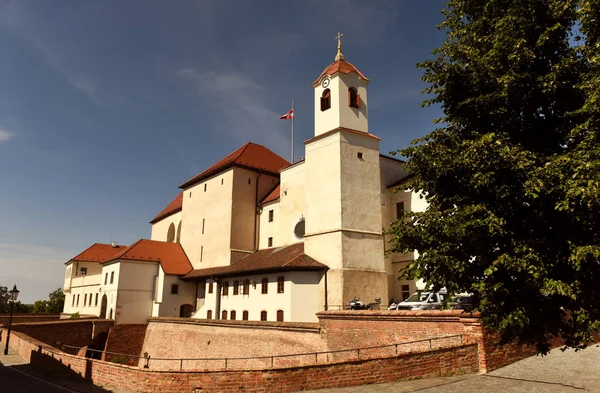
x=119 y=255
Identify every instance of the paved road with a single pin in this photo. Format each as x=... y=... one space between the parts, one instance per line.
x=559 y=372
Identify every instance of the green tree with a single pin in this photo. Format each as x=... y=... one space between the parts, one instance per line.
x=40 y=307
x=512 y=174
x=57 y=301
x=4 y=306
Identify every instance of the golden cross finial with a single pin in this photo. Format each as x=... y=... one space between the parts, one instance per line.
x=339 y=55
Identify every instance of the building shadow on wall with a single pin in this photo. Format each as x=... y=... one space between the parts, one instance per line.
x=51 y=369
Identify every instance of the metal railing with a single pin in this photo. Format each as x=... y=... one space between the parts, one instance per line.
x=266 y=362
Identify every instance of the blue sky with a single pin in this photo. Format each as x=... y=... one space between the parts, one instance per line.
x=107 y=106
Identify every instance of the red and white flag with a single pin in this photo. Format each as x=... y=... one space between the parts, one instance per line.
x=288 y=115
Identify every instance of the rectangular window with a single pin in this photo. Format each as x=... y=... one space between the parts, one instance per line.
x=263 y=315
x=225 y=287
x=270 y=242
x=68 y=274
x=249 y=181
x=405 y=292
x=210 y=288
x=77 y=300
x=280 y=284
x=85 y=300
x=96 y=301
x=221 y=181
x=245 y=315
x=399 y=209
x=264 y=288
x=201 y=252
x=246 y=289
x=73 y=302
x=203 y=226
x=232 y=315
x=174 y=289
x=83 y=271
x=270 y=215
x=236 y=287
x=205 y=187
x=359 y=155
x=106 y=278
x=112 y=277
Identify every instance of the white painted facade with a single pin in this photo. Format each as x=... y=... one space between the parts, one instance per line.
x=336 y=202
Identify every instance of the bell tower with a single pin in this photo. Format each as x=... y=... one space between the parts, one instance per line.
x=341 y=96
x=343 y=188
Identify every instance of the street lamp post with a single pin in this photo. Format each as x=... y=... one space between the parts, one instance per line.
x=14 y=294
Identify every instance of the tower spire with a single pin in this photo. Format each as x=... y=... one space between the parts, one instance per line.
x=339 y=55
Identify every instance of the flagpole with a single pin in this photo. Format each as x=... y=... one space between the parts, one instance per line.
x=293 y=115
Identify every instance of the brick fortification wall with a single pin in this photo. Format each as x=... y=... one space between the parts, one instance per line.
x=22 y=318
x=352 y=329
x=77 y=333
x=191 y=338
x=127 y=340
x=441 y=362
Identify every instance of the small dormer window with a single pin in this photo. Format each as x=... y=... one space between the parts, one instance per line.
x=353 y=98
x=326 y=100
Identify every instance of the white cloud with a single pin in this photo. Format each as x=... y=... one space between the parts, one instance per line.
x=5 y=135
x=55 y=54
x=240 y=105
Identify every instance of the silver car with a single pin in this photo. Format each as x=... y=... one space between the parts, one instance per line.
x=424 y=300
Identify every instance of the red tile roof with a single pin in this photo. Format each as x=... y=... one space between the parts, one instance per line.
x=171 y=256
x=290 y=258
x=250 y=155
x=343 y=66
x=172 y=208
x=98 y=252
x=272 y=196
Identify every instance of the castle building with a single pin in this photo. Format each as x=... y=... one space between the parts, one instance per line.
x=255 y=237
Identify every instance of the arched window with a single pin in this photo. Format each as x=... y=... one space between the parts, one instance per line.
x=245 y=315
x=263 y=315
x=280 y=284
x=246 y=290
x=171 y=233
x=232 y=315
x=264 y=288
x=225 y=287
x=236 y=287
x=353 y=98
x=178 y=233
x=209 y=314
x=279 y=315
x=224 y=315
x=326 y=100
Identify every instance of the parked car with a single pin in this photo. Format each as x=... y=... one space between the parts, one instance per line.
x=461 y=301
x=424 y=300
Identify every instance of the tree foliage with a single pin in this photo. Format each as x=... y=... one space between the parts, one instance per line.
x=54 y=305
x=512 y=174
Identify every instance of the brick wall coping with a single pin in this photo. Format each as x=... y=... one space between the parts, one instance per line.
x=31 y=315
x=401 y=315
x=53 y=350
x=287 y=326
x=62 y=322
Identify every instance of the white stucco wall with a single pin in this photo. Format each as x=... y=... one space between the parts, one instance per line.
x=292 y=202
x=77 y=284
x=270 y=229
x=303 y=286
x=160 y=229
x=210 y=247
x=135 y=291
x=110 y=290
x=340 y=114
x=171 y=303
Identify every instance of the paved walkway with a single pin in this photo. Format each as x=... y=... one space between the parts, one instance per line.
x=559 y=372
x=17 y=376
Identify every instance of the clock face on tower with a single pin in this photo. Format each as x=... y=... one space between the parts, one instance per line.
x=325 y=82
